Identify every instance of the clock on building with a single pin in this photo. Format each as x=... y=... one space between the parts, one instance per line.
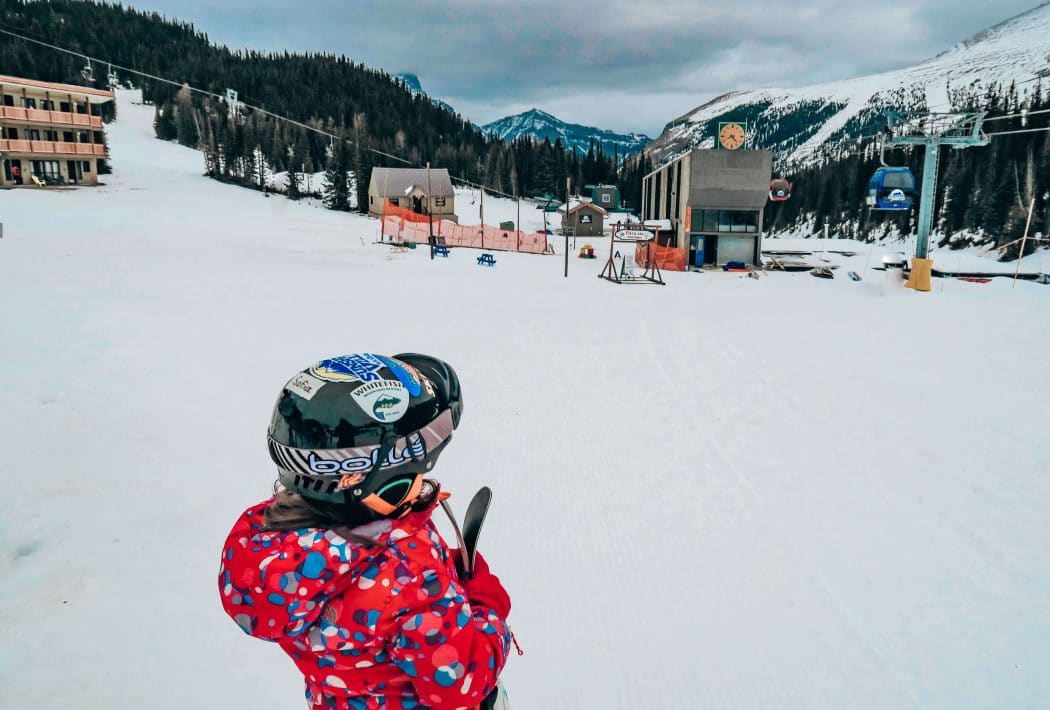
x=732 y=135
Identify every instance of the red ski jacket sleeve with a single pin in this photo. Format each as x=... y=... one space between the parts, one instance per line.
x=451 y=649
x=387 y=626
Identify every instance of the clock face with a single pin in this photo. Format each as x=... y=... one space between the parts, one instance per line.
x=731 y=136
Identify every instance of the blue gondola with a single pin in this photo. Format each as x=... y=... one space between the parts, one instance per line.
x=779 y=190
x=891 y=189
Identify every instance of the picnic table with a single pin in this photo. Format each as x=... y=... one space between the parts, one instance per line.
x=486 y=259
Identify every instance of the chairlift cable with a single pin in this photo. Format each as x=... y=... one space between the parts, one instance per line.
x=1022 y=114
x=1023 y=130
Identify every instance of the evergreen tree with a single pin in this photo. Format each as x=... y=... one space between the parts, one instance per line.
x=336 y=187
x=187 y=123
x=295 y=164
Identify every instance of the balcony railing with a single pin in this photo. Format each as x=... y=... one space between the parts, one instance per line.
x=57 y=118
x=52 y=147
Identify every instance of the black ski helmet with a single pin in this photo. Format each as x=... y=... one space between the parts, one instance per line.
x=364 y=428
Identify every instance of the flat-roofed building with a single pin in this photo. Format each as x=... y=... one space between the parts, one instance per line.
x=714 y=201
x=50 y=134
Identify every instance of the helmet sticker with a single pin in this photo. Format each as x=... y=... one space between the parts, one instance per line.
x=361 y=367
x=406 y=373
x=304 y=385
x=384 y=401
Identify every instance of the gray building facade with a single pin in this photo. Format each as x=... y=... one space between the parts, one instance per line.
x=714 y=200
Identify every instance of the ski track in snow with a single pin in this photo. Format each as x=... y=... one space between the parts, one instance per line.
x=722 y=492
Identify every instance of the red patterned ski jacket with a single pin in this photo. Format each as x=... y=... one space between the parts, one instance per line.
x=380 y=627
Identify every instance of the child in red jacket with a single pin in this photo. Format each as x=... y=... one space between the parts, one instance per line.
x=343 y=567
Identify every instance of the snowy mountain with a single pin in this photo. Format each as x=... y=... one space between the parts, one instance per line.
x=540 y=125
x=797 y=123
x=412 y=82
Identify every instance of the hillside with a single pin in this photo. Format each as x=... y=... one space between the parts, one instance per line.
x=543 y=126
x=797 y=123
x=383 y=122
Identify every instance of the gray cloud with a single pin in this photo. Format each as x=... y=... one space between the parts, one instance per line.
x=616 y=64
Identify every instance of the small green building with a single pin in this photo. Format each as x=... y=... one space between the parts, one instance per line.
x=605 y=196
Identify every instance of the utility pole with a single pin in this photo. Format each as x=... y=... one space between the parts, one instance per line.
x=481 y=189
x=430 y=213
x=518 y=223
x=565 y=226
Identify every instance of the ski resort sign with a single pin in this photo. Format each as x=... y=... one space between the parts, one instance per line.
x=633 y=235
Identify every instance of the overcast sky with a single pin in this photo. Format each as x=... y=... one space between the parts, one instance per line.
x=625 y=66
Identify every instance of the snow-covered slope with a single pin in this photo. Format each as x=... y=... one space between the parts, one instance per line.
x=812 y=495
x=797 y=122
x=540 y=124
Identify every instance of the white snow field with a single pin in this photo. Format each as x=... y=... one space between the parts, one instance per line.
x=718 y=493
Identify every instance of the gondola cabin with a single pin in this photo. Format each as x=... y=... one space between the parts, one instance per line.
x=891 y=189
x=779 y=190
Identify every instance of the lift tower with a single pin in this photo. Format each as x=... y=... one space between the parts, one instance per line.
x=931 y=130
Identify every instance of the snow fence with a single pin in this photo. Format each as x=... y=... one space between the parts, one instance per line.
x=667 y=258
x=405 y=225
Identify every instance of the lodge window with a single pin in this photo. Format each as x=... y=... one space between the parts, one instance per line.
x=439 y=201
x=46 y=169
x=371 y=200
x=34 y=134
x=67 y=136
x=85 y=137
x=99 y=138
x=96 y=110
x=28 y=102
x=50 y=135
x=395 y=201
x=47 y=105
x=64 y=106
x=8 y=132
x=606 y=198
x=87 y=166
x=724 y=221
x=9 y=100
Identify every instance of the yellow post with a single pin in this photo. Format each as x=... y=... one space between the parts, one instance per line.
x=921 y=271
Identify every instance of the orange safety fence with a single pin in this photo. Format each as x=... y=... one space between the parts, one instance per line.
x=401 y=224
x=667 y=258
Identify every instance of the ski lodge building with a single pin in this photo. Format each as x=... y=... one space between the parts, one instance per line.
x=412 y=189
x=714 y=201
x=50 y=134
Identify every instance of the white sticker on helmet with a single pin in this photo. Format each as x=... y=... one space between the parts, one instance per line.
x=304 y=385
x=385 y=400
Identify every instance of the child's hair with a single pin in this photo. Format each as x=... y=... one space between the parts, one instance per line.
x=291 y=511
